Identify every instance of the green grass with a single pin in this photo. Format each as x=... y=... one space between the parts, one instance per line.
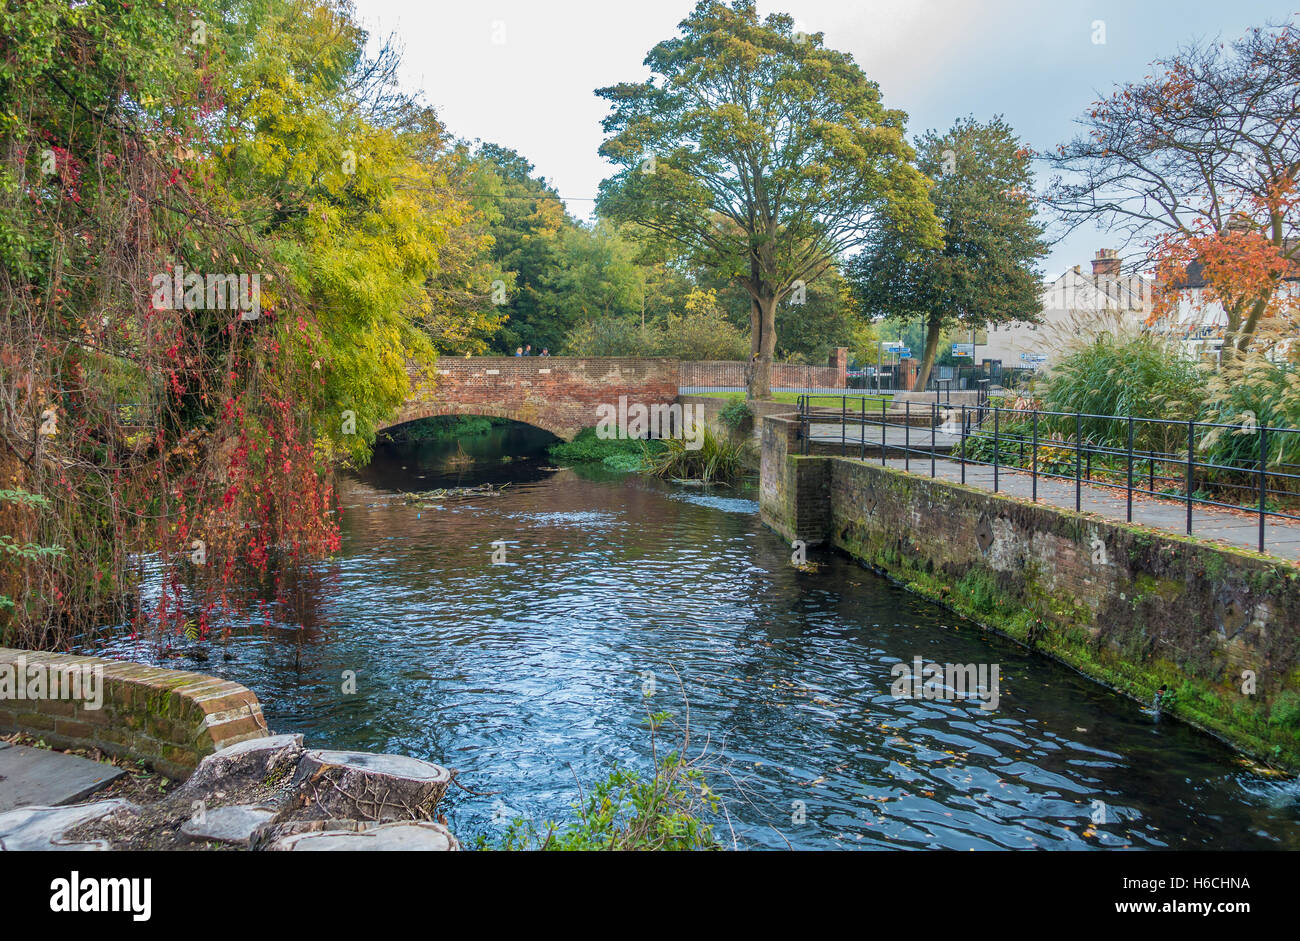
x=586 y=448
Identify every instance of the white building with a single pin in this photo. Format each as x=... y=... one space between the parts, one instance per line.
x=1199 y=322
x=1073 y=303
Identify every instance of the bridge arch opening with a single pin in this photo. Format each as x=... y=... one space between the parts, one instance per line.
x=442 y=452
x=530 y=417
x=463 y=426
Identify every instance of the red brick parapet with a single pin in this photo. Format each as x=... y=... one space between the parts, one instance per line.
x=169 y=719
x=557 y=393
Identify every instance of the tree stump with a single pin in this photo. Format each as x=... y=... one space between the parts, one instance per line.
x=364 y=786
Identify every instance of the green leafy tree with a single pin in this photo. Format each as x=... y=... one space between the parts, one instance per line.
x=824 y=321
x=985 y=270
x=460 y=315
x=139 y=141
x=595 y=275
x=702 y=331
x=527 y=234
x=763 y=155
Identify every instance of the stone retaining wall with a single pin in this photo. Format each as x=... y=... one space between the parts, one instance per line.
x=169 y=719
x=1125 y=604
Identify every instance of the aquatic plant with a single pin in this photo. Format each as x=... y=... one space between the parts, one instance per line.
x=460 y=459
x=587 y=448
x=628 y=811
x=716 y=459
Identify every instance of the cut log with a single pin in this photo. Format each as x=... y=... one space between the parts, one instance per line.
x=256 y=771
x=364 y=786
x=405 y=837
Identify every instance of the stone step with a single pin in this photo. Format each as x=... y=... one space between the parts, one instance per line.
x=39 y=776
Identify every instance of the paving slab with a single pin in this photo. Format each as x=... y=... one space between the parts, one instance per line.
x=49 y=778
x=42 y=828
x=233 y=824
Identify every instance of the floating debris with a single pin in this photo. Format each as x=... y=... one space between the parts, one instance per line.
x=420 y=496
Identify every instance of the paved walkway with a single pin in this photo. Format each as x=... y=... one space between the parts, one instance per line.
x=1209 y=524
x=48 y=778
x=896 y=436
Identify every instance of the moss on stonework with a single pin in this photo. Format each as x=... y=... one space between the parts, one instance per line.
x=1153 y=626
x=1054 y=623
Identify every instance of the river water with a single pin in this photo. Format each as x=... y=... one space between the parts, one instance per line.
x=533 y=675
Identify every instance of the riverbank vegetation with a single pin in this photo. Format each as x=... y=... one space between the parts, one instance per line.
x=718 y=459
x=1119 y=372
x=442 y=428
x=589 y=448
x=665 y=810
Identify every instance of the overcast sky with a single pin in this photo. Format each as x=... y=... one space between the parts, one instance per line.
x=521 y=73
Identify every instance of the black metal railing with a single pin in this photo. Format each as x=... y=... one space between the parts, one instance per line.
x=969 y=377
x=1232 y=467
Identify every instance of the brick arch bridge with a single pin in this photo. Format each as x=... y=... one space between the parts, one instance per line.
x=559 y=394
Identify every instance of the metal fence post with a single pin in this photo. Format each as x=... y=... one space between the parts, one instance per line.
x=907 y=435
x=862 y=432
x=996 y=449
x=1263 y=483
x=963 y=444
x=844 y=421
x=934 y=419
x=883 y=425
x=1033 y=458
x=1130 y=469
x=1078 y=460
x=1191 y=451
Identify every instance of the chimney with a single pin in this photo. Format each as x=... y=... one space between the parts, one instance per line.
x=1238 y=222
x=1106 y=263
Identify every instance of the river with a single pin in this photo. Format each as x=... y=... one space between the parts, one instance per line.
x=530 y=675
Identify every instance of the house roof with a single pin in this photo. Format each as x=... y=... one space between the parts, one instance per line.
x=1195 y=274
x=1126 y=291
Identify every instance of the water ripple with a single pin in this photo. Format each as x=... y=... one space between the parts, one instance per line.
x=620 y=594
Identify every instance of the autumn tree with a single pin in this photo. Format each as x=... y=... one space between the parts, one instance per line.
x=985 y=271
x=461 y=314
x=143 y=145
x=764 y=155
x=1197 y=164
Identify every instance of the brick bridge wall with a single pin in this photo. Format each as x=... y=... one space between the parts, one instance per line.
x=707 y=373
x=557 y=393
